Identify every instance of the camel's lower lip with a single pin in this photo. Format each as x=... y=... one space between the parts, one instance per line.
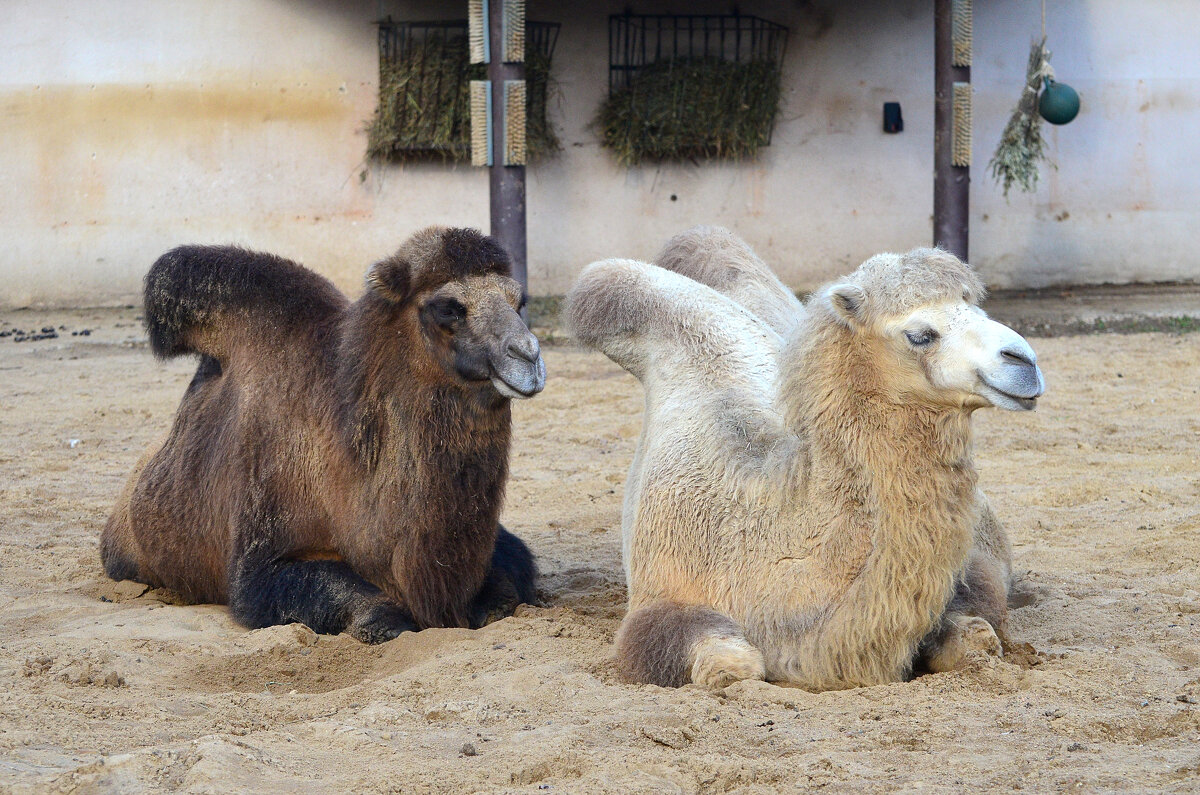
x=1018 y=398
x=511 y=390
x=1026 y=403
x=505 y=388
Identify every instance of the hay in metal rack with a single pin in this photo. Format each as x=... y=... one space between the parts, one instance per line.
x=424 y=109
x=691 y=86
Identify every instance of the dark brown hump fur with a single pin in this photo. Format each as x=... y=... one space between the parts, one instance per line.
x=193 y=292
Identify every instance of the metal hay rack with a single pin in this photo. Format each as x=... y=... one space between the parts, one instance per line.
x=691 y=86
x=424 y=100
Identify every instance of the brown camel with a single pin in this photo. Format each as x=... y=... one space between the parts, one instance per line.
x=334 y=463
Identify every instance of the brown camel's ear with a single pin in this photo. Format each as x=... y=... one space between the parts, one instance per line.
x=849 y=303
x=390 y=279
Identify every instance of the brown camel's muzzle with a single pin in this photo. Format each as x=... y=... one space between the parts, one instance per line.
x=518 y=370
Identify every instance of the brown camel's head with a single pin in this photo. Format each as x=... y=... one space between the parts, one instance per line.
x=919 y=316
x=453 y=286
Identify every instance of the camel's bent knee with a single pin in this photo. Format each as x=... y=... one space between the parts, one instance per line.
x=325 y=595
x=720 y=661
x=118 y=548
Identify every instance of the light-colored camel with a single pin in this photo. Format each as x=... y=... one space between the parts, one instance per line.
x=979 y=609
x=802 y=505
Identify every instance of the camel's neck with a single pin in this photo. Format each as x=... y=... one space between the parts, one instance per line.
x=899 y=483
x=432 y=456
x=441 y=427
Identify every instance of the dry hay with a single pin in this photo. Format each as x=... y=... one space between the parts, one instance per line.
x=424 y=109
x=1022 y=146
x=703 y=108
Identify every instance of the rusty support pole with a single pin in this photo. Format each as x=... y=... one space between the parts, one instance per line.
x=506 y=183
x=951 y=184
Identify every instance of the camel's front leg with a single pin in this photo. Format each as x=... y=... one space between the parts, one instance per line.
x=267 y=588
x=958 y=638
x=511 y=580
x=973 y=619
x=326 y=595
x=669 y=644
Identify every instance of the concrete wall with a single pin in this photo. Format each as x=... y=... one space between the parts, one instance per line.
x=1124 y=201
x=130 y=127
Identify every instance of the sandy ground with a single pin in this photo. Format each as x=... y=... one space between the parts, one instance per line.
x=106 y=687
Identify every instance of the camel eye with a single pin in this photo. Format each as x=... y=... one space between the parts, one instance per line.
x=920 y=339
x=446 y=312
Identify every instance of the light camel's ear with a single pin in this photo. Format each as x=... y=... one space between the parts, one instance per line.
x=849 y=303
x=390 y=279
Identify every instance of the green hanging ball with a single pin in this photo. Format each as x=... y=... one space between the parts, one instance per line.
x=1058 y=103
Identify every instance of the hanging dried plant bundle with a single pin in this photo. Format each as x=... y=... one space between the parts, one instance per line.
x=1021 y=145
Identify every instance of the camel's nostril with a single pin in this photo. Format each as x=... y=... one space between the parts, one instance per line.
x=526 y=348
x=1016 y=356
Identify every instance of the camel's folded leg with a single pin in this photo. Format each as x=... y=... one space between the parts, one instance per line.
x=974 y=618
x=512 y=580
x=120 y=552
x=326 y=595
x=957 y=638
x=668 y=644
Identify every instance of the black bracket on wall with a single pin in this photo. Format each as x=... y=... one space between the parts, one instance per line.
x=893 y=122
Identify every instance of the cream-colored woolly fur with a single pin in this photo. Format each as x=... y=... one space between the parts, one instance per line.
x=715 y=256
x=806 y=471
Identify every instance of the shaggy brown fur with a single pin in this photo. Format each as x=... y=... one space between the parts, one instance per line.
x=337 y=464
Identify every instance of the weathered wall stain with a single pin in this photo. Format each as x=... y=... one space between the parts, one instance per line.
x=82 y=139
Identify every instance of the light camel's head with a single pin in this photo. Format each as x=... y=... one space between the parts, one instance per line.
x=454 y=287
x=918 y=314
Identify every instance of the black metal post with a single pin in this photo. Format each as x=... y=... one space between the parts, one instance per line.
x=951 y=184
x=507 y=183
